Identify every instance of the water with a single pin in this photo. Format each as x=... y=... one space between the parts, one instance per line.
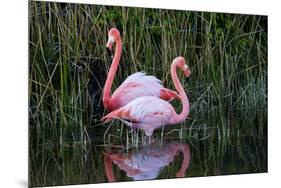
x=146 y=162
x=114 y=152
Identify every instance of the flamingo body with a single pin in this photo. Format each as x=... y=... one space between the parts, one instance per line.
x=146 y=113
x=138 y=85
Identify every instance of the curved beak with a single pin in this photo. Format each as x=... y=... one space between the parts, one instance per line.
x=186 y=71
x=109 y=52
x=109 y=46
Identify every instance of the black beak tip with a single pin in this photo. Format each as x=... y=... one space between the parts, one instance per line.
x=109 y=52
x=187 y=79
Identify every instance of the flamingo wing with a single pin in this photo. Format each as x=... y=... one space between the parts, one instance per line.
x=137 y=85
x=147 y=113
x=168 y=95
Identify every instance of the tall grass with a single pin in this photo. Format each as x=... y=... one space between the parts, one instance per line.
x=227 y=55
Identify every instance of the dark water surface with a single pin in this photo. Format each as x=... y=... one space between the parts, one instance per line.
x=114 y=152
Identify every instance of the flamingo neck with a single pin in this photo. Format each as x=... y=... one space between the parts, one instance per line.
x=111 y=73
x=185 y=103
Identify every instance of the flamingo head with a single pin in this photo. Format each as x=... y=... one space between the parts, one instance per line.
x=186 y=71
x=181 y=63
x=113 y=35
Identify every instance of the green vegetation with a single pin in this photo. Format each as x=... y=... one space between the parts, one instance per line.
x=227 y=55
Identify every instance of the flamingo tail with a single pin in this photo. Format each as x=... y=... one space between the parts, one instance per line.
x=109 y=117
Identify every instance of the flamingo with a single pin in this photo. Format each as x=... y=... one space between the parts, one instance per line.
x=150 y=112
x=136 y=85
x=147 y=162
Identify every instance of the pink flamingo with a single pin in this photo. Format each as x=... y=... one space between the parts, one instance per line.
x=136 y=85
x=149 y=112
x=147 y=162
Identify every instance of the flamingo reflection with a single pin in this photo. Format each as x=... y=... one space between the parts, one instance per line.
x=147 y=162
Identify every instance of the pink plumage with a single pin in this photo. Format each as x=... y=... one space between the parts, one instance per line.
x=149 y=113
x=146 y=113
x=136 y=85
